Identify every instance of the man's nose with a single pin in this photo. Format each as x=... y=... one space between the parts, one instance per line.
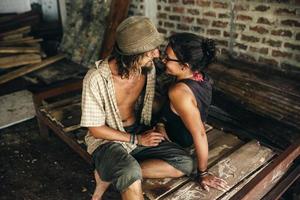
x=156 y=53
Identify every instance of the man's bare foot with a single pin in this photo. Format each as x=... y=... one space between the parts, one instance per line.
x=101 y=186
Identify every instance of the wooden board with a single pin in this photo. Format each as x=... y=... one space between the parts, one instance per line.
x=15 y=108
x=234 y=168
x=220 y=144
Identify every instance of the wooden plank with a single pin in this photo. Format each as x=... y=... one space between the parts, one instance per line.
x=15 y=108
x=17 y=60
x=26 y=40
x=19 y=50
x=22 y=30
x=220 y=144
x=232 y=169
x=267 y=178
x=27 y=69
x=16 y=36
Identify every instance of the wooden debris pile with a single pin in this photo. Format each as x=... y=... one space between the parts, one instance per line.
x=20 y=53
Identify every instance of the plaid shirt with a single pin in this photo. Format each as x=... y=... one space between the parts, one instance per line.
x=99 y=104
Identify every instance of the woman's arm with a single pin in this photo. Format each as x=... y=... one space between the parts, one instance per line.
x=184 y=104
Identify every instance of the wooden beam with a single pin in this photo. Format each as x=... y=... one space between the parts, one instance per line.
x=19 y=50
x=23 y=30
x=118 y=12
x=17 y=60
x=27 y=69
x=256 y=188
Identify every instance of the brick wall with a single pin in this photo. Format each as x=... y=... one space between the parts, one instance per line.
x=256 y=31
x=136 y=7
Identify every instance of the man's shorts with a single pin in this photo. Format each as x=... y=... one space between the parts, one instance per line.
x=115 y=165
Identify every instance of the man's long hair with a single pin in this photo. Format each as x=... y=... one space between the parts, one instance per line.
x=127 y=64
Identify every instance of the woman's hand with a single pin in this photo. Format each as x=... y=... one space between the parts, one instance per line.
x=209 y=180
x=150 y=138
x=160 y=127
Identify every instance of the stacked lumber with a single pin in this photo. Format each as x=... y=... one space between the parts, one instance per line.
x=20 y=53
x=270 y=96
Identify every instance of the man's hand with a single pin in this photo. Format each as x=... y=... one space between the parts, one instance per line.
x=150 y=138
x=212 y=181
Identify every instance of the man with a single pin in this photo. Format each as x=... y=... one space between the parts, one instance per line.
x=117 y=102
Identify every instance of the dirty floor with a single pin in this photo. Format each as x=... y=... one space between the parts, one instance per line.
x=32 y=168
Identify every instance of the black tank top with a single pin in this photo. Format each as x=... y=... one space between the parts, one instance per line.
x=175 y=128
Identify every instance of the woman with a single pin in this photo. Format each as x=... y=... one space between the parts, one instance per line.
x=185 y=58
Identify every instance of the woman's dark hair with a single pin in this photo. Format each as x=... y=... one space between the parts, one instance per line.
x=127 y=64
x=190 y=48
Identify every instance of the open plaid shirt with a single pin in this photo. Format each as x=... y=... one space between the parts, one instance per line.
x=99 y=105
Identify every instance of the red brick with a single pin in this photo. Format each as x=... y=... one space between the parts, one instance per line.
x=240 y=46
x=219 y=24
x=281 y=32
x=188 y=2
x=240 y=27
x=162 y=16
x=298 y=36
x=259 y=29
x=174 y=17
x=183 y=27
x=285 y=11
x=241 y=7
x=187 y=19
x=244 y=18
x=203 y=21
x=193 y=11
x=224 y=15
x=282 y=54
x=227 y=34
x=198 y=29
x=210 y=14
x=263 y=20
x=178 y=9
x=162 y=30
x=262 y=8
x=292 y=46
x=268 y=61
x=290 y=22
x=203 y=3
x=213 y=32
x=220 y=5
x=297 y=56
x=169 y=24
x=249 y=38
x=221 y=42
x=246 y=57
x=272 y=43
x=259 y=50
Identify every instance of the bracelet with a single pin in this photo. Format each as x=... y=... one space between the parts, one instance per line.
x=202 y=173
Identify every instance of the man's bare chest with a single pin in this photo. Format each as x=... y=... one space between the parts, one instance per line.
x=128 y=90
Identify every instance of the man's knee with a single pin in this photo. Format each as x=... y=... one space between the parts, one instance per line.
x=185 y=164
x=129 y=175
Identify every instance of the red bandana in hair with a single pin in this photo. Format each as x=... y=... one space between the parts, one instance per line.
x=197 y=76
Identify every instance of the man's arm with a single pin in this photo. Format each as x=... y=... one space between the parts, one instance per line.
x=107 y=133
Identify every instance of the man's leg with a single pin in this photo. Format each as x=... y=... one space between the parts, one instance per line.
x=119 y=168
x=134 y=191
x=165 y=160
x=101 y=187
x=155 y=168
